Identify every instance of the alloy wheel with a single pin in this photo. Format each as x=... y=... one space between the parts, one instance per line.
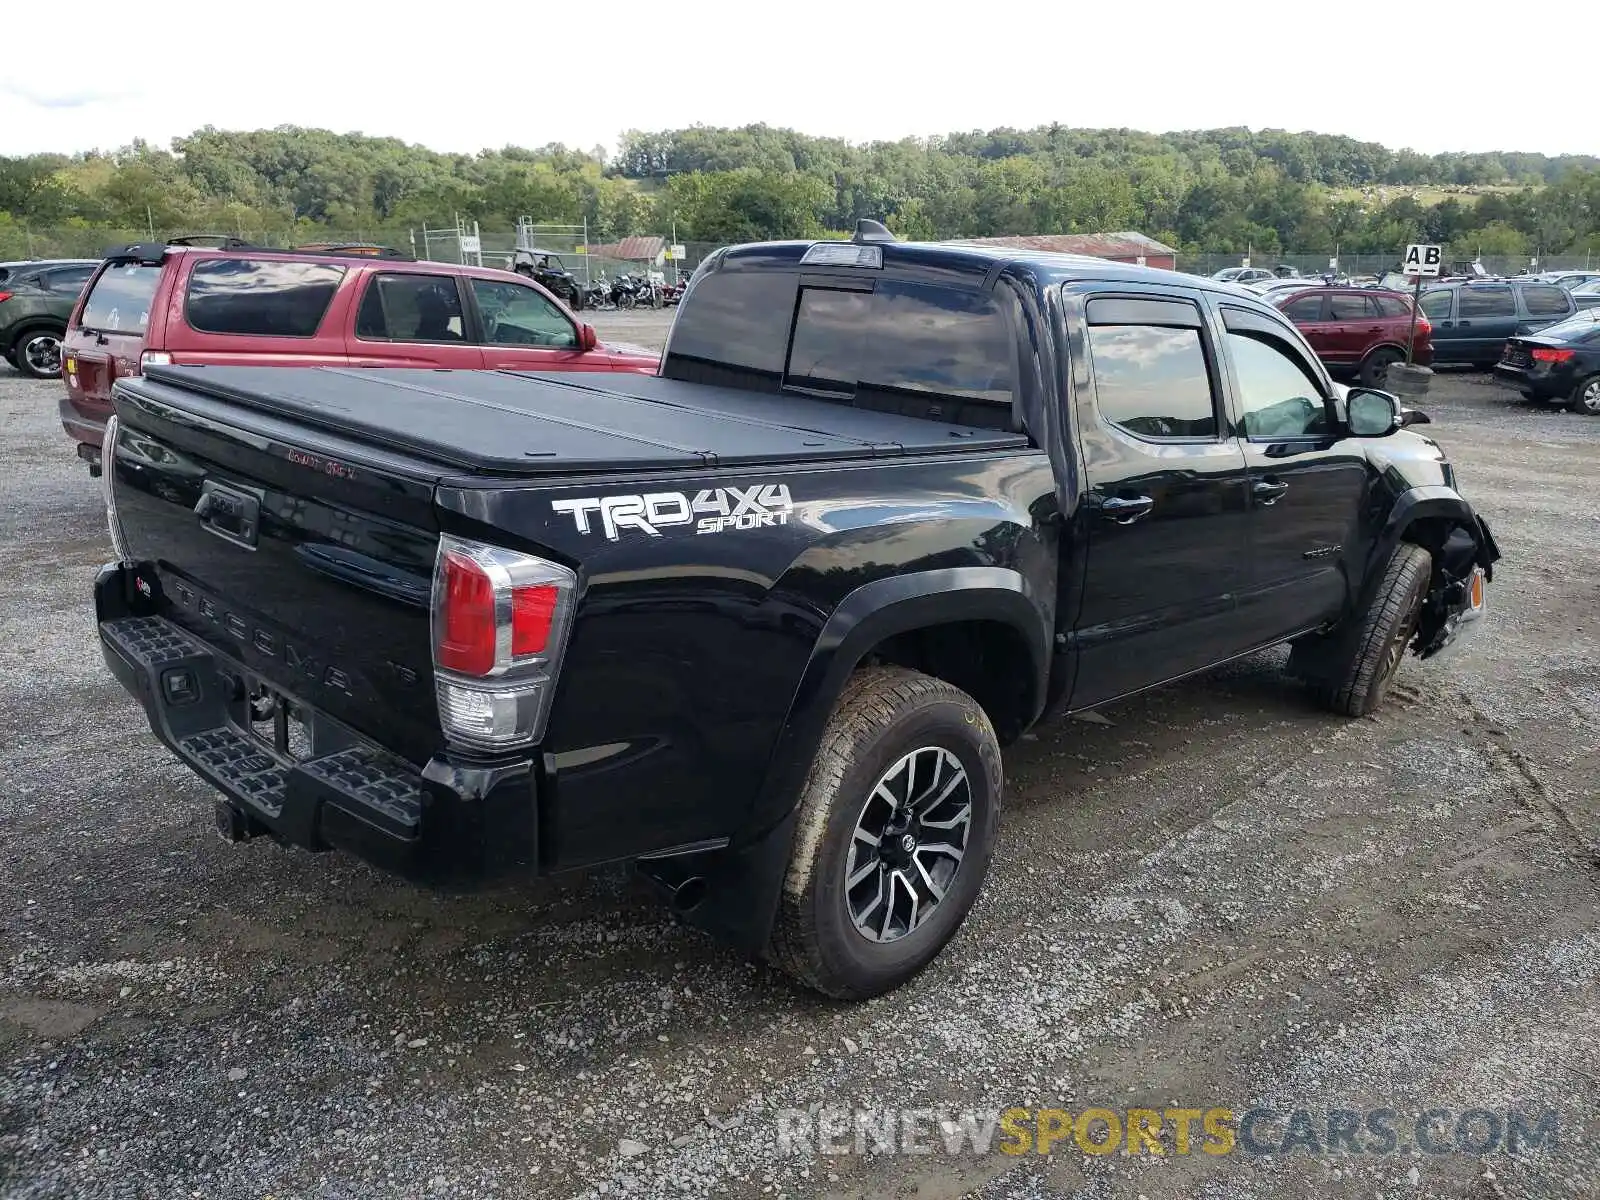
x=908 y=844
x=42 y=353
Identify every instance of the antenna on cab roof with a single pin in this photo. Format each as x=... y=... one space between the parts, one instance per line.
x=868 y=230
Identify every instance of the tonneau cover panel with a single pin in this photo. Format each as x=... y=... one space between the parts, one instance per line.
x=526 y=424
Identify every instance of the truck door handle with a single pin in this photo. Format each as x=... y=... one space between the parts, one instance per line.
x=1268 y=490
x=1125 y=510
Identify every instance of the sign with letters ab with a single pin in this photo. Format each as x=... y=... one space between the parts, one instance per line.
x=1422 y=260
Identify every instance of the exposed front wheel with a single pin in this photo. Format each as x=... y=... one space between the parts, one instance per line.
x=1586 y=397
x=896 y=826
x=38 y=354
x=1353 y=666
x=1375 y=367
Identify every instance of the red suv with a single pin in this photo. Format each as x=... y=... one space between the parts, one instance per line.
x=296 y=308
x=1360 y=330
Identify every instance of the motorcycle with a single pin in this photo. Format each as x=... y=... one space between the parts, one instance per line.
x=598 y=293
x=624 y=292
x=649 y=292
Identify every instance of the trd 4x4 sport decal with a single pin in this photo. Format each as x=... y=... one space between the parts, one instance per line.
x=711 y=510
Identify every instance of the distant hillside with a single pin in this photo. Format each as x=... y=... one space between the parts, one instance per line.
x=1207 y=191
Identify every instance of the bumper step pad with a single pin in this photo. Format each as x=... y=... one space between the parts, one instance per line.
x=292 y=799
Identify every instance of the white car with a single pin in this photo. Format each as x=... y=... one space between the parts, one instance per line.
x=1243 y=275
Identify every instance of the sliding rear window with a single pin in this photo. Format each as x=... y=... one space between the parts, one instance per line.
x=119 y=301
x=260 y=297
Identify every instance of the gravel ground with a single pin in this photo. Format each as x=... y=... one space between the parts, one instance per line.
x=1212 y=896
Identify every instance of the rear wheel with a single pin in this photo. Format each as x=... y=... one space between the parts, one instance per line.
x=1375 y=367
x=38 y=353
x=895 y=830
x=1586 y=397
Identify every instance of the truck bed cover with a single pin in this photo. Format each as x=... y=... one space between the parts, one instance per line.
x=498 y=422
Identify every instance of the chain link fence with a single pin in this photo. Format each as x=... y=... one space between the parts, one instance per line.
x=496 y=246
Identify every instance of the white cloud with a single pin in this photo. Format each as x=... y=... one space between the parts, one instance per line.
x=505 y=71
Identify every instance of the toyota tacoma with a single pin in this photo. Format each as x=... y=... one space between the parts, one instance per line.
x=762 y=622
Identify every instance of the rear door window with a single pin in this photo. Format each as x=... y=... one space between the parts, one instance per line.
x=1346 y=307
x=120 y=300
x=1151 y=380
x=411 y=307
x=1545 y=301
x=1485 y=302
x=1304 y=308
x=260 y=297
x=1436 y=305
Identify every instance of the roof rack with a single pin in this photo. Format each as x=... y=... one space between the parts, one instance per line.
x=356 y=249
x=152 y=253
x=222 y=241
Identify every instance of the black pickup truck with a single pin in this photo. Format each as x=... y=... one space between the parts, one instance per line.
x=760 y=624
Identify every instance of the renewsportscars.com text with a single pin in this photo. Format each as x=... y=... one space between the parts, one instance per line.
x=1215 y=1130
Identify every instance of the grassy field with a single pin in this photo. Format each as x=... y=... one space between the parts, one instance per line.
x=1425 y=194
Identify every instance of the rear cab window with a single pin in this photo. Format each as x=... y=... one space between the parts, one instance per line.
x=889 y=344
x=119 y=300
x=256 y=297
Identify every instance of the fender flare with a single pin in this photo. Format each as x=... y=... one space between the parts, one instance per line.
x=865 y=617
x=1427 y=502
x=745 y=878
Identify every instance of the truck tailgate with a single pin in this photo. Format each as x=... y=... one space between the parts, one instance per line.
x=312 y=567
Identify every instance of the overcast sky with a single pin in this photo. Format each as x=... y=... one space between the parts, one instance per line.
x=1416 y=73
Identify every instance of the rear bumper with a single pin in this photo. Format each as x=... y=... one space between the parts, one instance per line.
x=450 y=821
x=1536 y=382
x=80 y=427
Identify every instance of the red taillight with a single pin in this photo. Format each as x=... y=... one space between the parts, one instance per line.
x=467 y=625
x=1554 y=356
x=4 y=296
x=532 y=611
x=1424 y=326
x=500 y=624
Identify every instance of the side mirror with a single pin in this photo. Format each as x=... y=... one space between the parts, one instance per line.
x=1371 y=413
x=586 y=337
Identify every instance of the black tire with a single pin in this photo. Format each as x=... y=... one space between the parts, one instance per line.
x=1585 y=397
x=28 y=356
x=1359 y=661
x=885 y=715
x=1375 y=366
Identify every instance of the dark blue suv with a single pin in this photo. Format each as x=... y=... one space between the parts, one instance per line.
x=1473 y=318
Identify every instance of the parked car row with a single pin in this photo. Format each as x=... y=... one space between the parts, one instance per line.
x=240 y=305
